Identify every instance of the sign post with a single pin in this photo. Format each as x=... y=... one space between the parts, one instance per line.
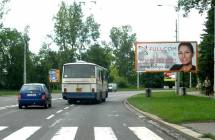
x=54 y=76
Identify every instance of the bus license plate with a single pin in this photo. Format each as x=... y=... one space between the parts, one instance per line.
x=78 y=89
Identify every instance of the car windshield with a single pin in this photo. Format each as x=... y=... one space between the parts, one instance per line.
x=31 y=87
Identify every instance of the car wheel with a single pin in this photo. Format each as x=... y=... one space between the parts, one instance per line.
x=71 y=101
x=46 y=105
x=104 y=100
x=50 y=104
x=20 y=106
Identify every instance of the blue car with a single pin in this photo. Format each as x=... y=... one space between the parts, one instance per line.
x=34 y=94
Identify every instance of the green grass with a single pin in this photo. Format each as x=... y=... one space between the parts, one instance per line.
x=8 y=92
x=176 y=109
x=209 y=136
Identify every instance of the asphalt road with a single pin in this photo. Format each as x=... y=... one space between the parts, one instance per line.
x=110 y=120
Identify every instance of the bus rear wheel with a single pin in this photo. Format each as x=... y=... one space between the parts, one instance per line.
x=71 y=101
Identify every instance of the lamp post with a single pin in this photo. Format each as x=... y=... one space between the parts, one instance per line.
x=24 y=71
x=214 y=51
x=24 y=38
x=177 y=82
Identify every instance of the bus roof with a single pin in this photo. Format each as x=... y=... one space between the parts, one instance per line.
x=83 y=63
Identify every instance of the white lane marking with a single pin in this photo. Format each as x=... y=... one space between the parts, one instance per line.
x=104 y=133
x=9 y=106
x=2 y=108
x=144 y=133
x=71 y=105
x=22 y=134
x=51 y=116
x=66 y=107
x=59 y=111
x=2 y=127
x=113 y=115
x=56 y=99
x=56 y=122
x=14 y=105
x=65 y=133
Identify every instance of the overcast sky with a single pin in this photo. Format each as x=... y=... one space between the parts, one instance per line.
x=149 y=21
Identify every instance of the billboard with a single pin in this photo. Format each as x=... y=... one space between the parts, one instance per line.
x=54 y=75
x=166 y=56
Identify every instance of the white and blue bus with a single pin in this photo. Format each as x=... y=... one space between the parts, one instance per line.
x=84 y=81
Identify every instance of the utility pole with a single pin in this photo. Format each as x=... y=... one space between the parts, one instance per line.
x=24 y=73
x=214 y=52
x=177 y=83
x=25 y=48
x=138 y=80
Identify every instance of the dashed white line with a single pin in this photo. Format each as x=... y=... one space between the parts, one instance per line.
x=2 y=127
x=51 y=116
x=2 y=108
x=56 y=122
x=56 y=99
x=9 y=106
x=59 y=111
x=66 y=107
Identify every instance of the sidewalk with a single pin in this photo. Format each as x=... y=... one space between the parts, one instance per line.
x=204 y=127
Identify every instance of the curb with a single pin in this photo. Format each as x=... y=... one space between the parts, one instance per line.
x=193 y=135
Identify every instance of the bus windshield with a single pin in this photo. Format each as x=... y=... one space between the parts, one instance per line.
x=79 y=71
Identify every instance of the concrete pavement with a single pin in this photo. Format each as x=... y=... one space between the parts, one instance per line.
x=204 y=127
x=192 y=130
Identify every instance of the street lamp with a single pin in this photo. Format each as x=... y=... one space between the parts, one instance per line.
x=25 y=46
x=214 y=51
x=177 y=82
x=24 y=73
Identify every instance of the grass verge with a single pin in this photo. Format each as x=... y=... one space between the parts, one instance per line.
x=209 y=136
x=8 y=92
x=174 y=108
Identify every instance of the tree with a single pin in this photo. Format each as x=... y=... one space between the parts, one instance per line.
x=3 y=10
x=11 y=50
x=123 y=40
x=98 y=55
x=206 y=47
x=42 y=63
x=72 y=32
x=60 y=27
x=200 y=5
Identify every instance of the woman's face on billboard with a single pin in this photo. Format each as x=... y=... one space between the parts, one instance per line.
x=185 y=55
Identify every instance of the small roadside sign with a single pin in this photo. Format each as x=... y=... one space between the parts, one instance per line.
x=54 y=75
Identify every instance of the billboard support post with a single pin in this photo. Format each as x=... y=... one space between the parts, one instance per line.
x=183 y=87
x=138 y=80
x=190 y=79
